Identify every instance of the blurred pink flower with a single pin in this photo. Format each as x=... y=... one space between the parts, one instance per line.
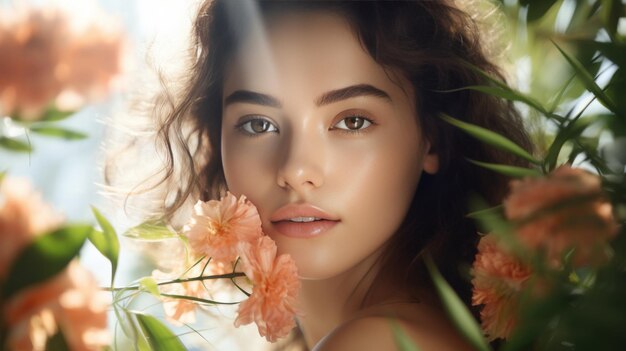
x=563 y=211
x=216 y=227
x=31 y=46
x=498 y=278
x=88 y=66
x=272 y=304
x=70 y=302
x=44 y=60
x=23 y=215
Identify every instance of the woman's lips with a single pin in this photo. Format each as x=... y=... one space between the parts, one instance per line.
x=303 y=229
x=282 y=220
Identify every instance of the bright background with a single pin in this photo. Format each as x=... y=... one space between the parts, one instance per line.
x=68 y=173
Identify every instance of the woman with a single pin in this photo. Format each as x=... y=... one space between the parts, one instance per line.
x=326 y=116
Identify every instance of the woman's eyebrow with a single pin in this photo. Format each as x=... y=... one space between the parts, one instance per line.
x=350 y=92
x=251 y=97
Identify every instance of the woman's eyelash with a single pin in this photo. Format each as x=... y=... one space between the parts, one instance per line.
x=368 y=122
x=247 y=128
x=255 y=126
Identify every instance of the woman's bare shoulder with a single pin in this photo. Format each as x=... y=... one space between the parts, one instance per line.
x=375 y=332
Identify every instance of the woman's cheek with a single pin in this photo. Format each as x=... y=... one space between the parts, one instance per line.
x=248 y=167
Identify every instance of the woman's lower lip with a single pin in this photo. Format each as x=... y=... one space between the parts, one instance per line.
x=303 y=229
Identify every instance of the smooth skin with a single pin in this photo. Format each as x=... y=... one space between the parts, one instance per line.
x=310 y=118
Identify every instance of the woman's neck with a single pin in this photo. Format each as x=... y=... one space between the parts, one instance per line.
x=329 y=303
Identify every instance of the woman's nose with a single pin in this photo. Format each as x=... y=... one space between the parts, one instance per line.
x=302 y=163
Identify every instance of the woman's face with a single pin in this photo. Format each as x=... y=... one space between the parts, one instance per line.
x=322 y=140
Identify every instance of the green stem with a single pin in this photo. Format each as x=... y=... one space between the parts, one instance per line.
x=197 y=299
x=205 y=277
x=186 y=280
x=235 y=283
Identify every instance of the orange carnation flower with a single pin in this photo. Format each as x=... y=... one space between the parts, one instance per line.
x=216 y=227
x=23 y=215
x=498 y=278
x=32 y=46
x=563 y=211
x=46 y=59
x=275 y=288
x=70 y=302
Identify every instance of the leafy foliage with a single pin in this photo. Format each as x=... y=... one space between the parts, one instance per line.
x=45 y=125
x=106 y=241
x=577 y=69
x=151 y=230
x=44 y=258
x=159 y=337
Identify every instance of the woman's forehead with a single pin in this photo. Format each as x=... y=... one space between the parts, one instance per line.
x=308 y=54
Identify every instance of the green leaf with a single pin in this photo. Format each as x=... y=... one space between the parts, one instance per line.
x=456 y=309
x=588 y=80
x=45 y=257
x=615 y=90
x=53 y=114
x=614 y=51
x=537 y=8
x=57 y=342
x=122 y=317
x=485 y=212
x=2 y=175
x=504 y=91
x=509 y=171
x=490 y=138
x=58 y=132
x=569 y=132
x=403 y=342
x=106 y=241
x=151 y=230
x=150 y=285
x=129 y=325
x=15 y=145
x=559 y=96
x=536 y=316
x=159 y=337
x=589 y=147
x=612 y=10
x=510 y=94
x=615 y=124
x=492 y=221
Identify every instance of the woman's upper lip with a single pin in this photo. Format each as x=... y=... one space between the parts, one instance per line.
x=300 y=210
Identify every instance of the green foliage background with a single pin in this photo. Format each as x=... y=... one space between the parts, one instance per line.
x=568 y=60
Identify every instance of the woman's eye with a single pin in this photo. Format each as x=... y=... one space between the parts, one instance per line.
x=257 y=126
x=353 y=123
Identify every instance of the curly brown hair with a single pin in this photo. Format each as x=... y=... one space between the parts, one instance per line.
x=435 y=45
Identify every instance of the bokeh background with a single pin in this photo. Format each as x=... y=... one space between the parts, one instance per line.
x=69 y=174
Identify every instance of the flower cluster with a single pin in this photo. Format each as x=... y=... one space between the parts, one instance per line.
x=563 y=219
x=224 y=236
x=46 y=59
x=563 y=211
x=272 y=303
x=216 y=227
x=498 y=279
x=70 y=302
